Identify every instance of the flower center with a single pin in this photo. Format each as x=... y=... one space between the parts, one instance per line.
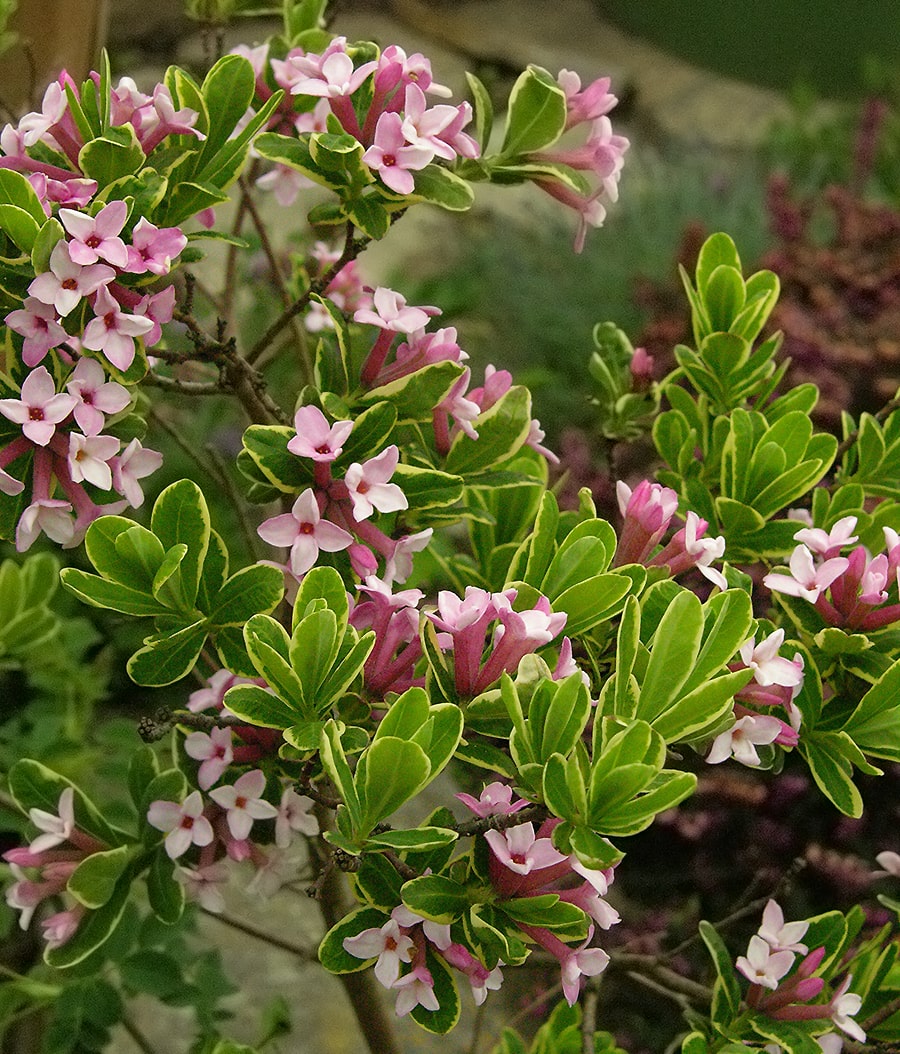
x=307 y=528
x=35 y=413
x=389 y=160
x=92 y=242
x=69 y=283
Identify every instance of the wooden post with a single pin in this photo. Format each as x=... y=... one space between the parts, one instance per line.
x=54 y=35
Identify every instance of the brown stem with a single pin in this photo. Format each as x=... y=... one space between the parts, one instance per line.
x=361 y=988
x=352 y=249
x=306 y=954
x=882 y=414
x=287 y=299
x=205 y=722
x=589 y=1002
x=137 y=1037
x=173 y=384
x=647 y=966
x=874 y=1020
x=499 y=822
x=228 y=293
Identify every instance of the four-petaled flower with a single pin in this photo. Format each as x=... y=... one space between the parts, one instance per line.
x=213 y=751
x=244 y=803
x=305 y=532
x=56 y=828
x=184 y=824
x=112 y=331
x=388 y=944
x=315 y=437
x=519 y=849
x=68 y=282
x=97 y=237
x=762 y=966
x=40 y=409
x=369 y=488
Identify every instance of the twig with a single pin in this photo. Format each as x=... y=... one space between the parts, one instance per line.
x=306 y=954
x=279 y=279
x=649 y=967
x=173 y=384
x=10 y=804
x=499 y=822
x=352 y=249
x=403 y=869
x=228 y=294
x=888 y=1010
x=477 y=1026
x=882 y=414
x=137 y=1037
x=203 y=722
x=589 y=1015
x=251 y=539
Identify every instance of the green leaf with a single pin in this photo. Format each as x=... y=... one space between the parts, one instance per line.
x=164 y=660
x=117 y=153
x=484 y=111
x=389 y=773
x=436 y=897
x=253 y=590
x=16 y=190
x=258 y=707
x=334 y=761
x=676 y=644
x=536 y=117
x=723 y=965
x=228 y=90
x=502 y=430
x=875 y=724
x=717 y=251
x=19 y=226
x=95 y=929
x=180 y=515
x=439 y=186
x=415 y=840
x=34 y=786
x=166 y=895
x=831 y=771
x=93 y=882
x=100 y=593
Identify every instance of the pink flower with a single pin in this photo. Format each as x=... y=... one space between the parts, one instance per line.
x=202 y=884
x=56 y=828
x=768 y=666
x=113 y=332
x=61 y=927
x=806 y=580
x=844 y=1005
x=890 y=862
x=762 y=966
x=37 y=323
x=518 y=849
x=305 y=532
x=153 y=248
x=422 y=127
x=332 y=75
x=393 y=158
x=392 y=313
x=369 y=487
x=97 y=237
x=647 y=512
x=581 y=962
x=133 y=464
x=317 y=439
x=40 y=409
x=740 y=740
x=159 y=308
x=398 y=566
x=494 y=800
x=95 y=396
x=184 y=825
x=244 y=803
x=68 y=282
x=779 y=935
x=50 y=515
x=213 y=751
x=415 y=989
x=89 y=458
x=828 y=543
x=294 y=814
x=588 y=104
x=389 y=944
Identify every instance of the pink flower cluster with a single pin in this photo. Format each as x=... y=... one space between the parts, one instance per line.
x=464 y=622
x=391 y=314
x=770 y=958
x=602 y=155
x=525 y=863
x=334 y=514
x=221 y=827
x=647 y=513
x=53 y=855
x=404 y=941
x=863 y=592
x=401 y=132
x=120 y=316
x=776 y=683
x=394 y=618
x=62 y=431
